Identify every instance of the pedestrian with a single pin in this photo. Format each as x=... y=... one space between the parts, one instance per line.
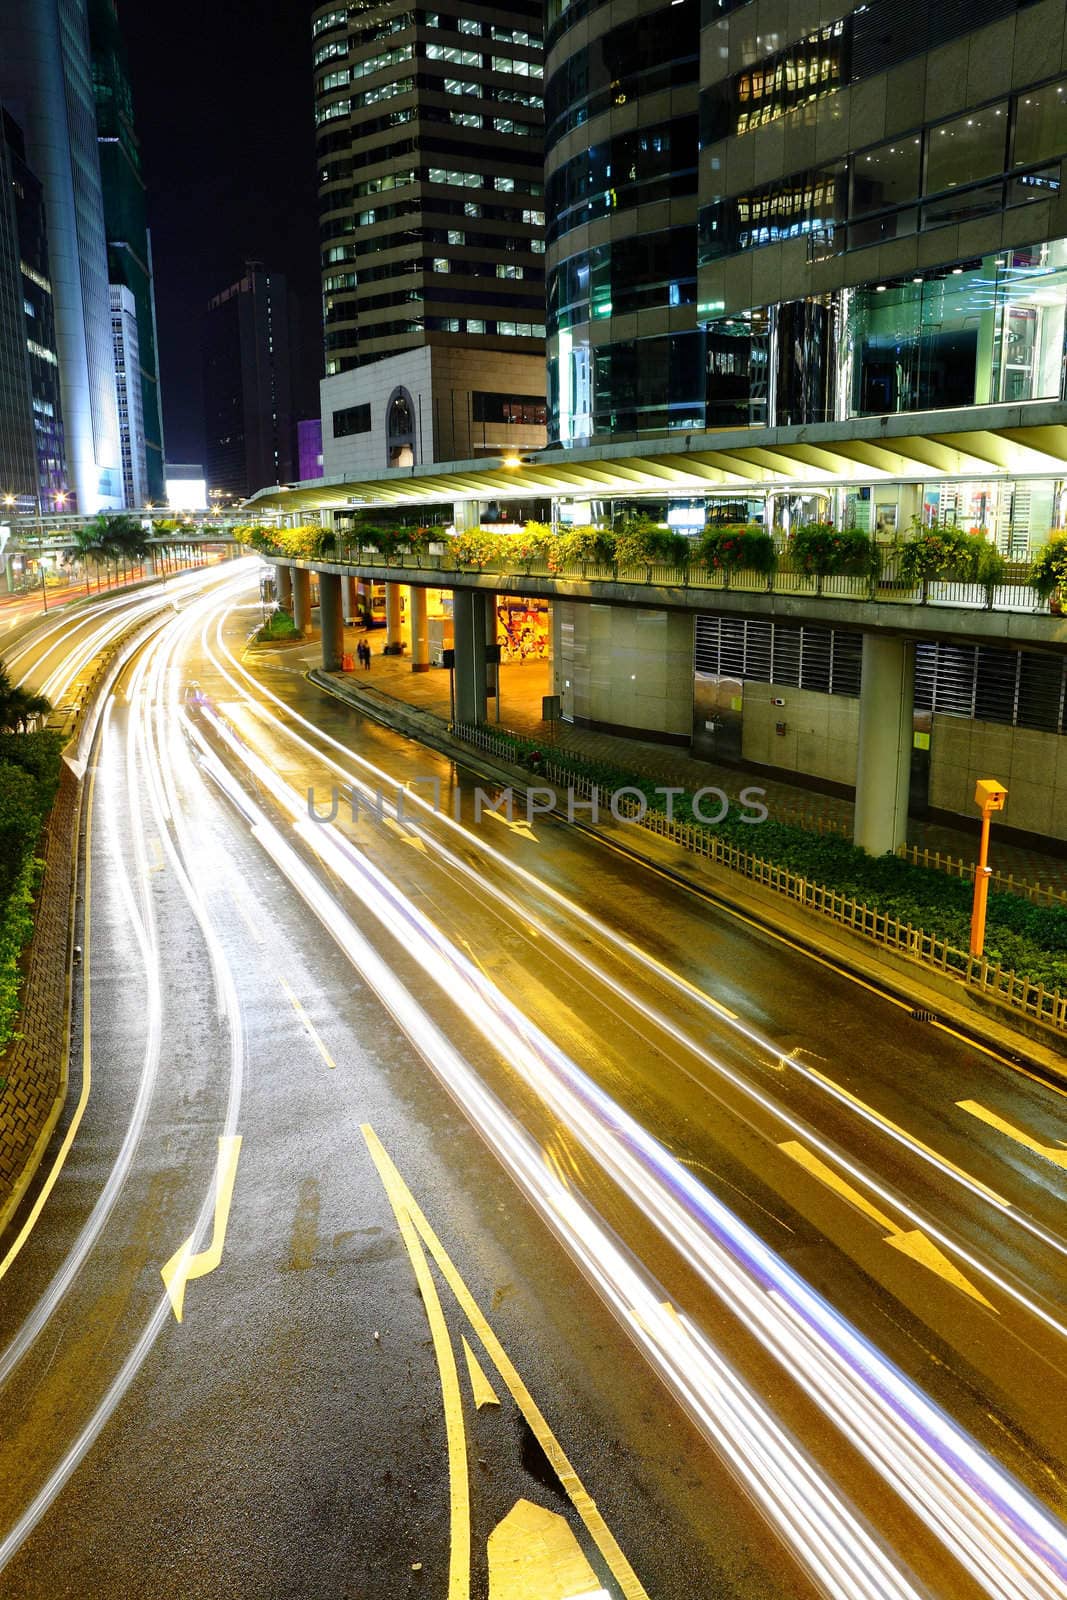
x=366 y=657
x=359 y=651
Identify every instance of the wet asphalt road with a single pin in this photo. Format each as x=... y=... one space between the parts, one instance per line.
x=289 y=1435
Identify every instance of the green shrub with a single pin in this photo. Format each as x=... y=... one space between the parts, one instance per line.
x=279 y=625
x=1026 y=938
x=821 y=548
x=732 y=549
x=16 y=926
x=956 y=554
x=1048 y=575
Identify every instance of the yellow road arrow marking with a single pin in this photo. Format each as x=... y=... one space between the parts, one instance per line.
x=533 y=1555
x=522 y=828
x=629 y=1584
x=909 y=1137
x=484 y=1393
x=407 y=837
x=1050 y=1152
x=183 y=1264
x=909 y=1241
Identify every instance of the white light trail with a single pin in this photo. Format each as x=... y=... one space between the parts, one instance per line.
x=999 y=1279
x=1009 y=1543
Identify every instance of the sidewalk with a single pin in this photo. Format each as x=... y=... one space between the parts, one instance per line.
x=522 y=685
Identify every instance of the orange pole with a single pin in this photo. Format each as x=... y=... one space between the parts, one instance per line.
x=982 y=875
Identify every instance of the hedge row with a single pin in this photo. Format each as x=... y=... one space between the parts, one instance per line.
x=1020 y=936
x=29 y=778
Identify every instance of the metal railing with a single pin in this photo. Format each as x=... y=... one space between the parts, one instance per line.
x=1013 y=593
x=1048 y=1006
x=1006 y=883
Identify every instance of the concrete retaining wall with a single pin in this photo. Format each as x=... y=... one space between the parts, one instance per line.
x=35 y=1064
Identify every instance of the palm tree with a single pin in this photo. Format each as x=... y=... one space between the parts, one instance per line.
x=19 y=708
x=85 y=546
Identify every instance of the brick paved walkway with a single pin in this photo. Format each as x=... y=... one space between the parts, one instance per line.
x=523 y=684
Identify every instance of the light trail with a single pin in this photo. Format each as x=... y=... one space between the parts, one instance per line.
x=1008 y=1543
x=824 y=1533
x=152 y=717
x=1023 y=1297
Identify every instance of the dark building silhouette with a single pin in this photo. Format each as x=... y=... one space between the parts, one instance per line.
x=248 y=410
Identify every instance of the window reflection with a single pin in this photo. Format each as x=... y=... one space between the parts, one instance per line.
x=967 y=149
x=886 y=176
x=988 y=332
x=1041 y=124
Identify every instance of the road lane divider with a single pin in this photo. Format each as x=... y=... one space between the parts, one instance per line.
x=307 y=1024
x=911 y=1141
x=459 y=1547
x=909 y=1241
x=533 y=1555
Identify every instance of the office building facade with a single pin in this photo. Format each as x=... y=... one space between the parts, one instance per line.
x=46 y=84
x=42 y=357
x=880 y=224
x=18 y=456
x=248 y=408
x=431 y=199
x=129 y=246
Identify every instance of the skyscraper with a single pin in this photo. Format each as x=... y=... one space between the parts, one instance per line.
x=124 y=335
x=46 y=83
x=39 y=326
x=18 y=461
x=248 y=408
x=429 y=141
x=129 y=248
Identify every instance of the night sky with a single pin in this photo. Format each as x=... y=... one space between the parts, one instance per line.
x=223 y=103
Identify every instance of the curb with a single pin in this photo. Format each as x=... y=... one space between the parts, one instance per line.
x=1018 y=1041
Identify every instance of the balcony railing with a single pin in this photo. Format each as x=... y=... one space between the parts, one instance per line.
x=1012 y=594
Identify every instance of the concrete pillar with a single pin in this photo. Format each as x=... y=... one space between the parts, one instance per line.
x=352 y=606
x=420 y=632
x=331 y=620
x=302 y=599
x=492 y=671
x=393 y=636
x=284 y=585
x=883 y=768
x=468 y=613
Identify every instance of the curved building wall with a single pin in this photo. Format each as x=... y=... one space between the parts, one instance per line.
x=625 y=355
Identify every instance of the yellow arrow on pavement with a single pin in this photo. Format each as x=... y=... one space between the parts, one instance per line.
x=484 y=1393
x=909 y=1241
x=1055 y=1153
x=516 y=827
x=183 y=1264
x=406 y=836
x=533 y=1555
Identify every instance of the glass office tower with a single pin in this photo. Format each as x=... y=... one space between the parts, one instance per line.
x=46 y=83
x=877 y=195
